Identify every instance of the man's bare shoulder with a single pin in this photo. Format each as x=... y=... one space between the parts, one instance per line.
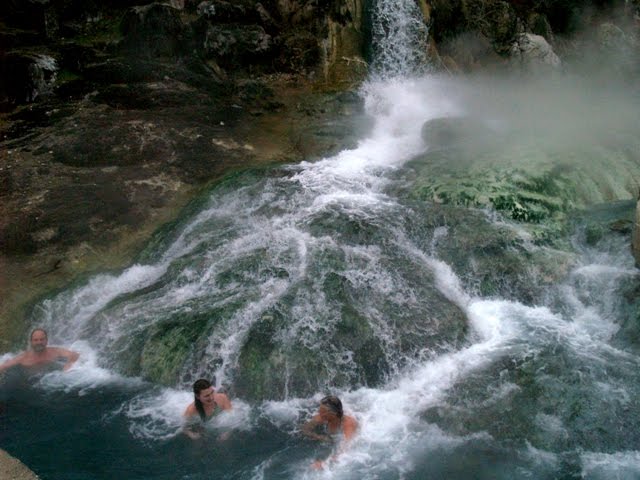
x=351 y=421
x=349 y=426
x=60 y=351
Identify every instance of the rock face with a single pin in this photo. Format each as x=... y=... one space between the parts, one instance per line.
x=244 y=38
x=115 y=114
x=13 y=469
x=25 y=76
x=532 y=52
x=495 y=34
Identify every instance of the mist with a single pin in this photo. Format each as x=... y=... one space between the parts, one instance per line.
x=557 y=111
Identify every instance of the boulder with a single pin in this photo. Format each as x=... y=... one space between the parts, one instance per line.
x=532 y=52
x=233 y=45
x=154 y=30
x=26 y=76
x=618 y=49
x=219 y=11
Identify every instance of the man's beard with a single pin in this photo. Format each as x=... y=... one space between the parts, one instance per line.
x=39 y=348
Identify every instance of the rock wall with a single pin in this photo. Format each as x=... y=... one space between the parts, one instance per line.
x=114 y=113
x=322 y=40
x=474 y=34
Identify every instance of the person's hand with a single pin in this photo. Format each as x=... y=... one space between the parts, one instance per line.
x=317 y=465
x=224 y=436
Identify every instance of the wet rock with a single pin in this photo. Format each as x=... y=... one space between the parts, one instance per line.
x=344 y=350
x=163 y=354
x=538 y=24
x=26 y=76
x=532 y=53
x=469 y=51
x=467 y=172
x=220 y=11
x=154 y=30
x=618 y=49
x=234 y=46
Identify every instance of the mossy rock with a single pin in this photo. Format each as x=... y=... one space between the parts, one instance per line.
x=535 y=185
x=164 y=353
x=345 y=345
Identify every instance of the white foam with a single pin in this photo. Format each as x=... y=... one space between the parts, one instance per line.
x=541 y=458
x=552 y=425
x=623 y=465
x=85 y=375
x=389 y=417
x=283 y=413
x=159 y=414
x=67 y=315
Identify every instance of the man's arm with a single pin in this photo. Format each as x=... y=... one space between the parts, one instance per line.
x=11 y=363
x=69 y=355
x=309 y=430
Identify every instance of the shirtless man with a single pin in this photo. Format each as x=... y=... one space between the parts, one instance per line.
x=335 y=423
x=40 y=354
x=206 y=405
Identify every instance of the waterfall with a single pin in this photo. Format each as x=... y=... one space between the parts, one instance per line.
x=400 y=38
x=336 y=276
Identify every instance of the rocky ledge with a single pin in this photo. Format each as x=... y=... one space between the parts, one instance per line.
x=13 y=469
x=114 y=116
x=94 y=177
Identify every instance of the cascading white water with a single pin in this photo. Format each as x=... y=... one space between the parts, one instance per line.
x=400 y=39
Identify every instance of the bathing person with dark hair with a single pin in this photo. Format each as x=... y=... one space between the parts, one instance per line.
x=335 y=424
x=206 y=405
x=40 y=355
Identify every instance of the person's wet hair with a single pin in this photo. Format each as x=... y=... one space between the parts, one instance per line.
x=198 y=386
x=333 y=403
x=38 y=330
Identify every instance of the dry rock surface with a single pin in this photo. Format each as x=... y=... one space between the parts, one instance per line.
x=13 y=469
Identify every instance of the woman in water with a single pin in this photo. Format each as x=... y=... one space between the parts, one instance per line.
x=333 y=425
x=206 y=405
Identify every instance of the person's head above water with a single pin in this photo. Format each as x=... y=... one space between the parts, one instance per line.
x=332 y=405
x=201 y=384
x=203 y=394
x=38 y=340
